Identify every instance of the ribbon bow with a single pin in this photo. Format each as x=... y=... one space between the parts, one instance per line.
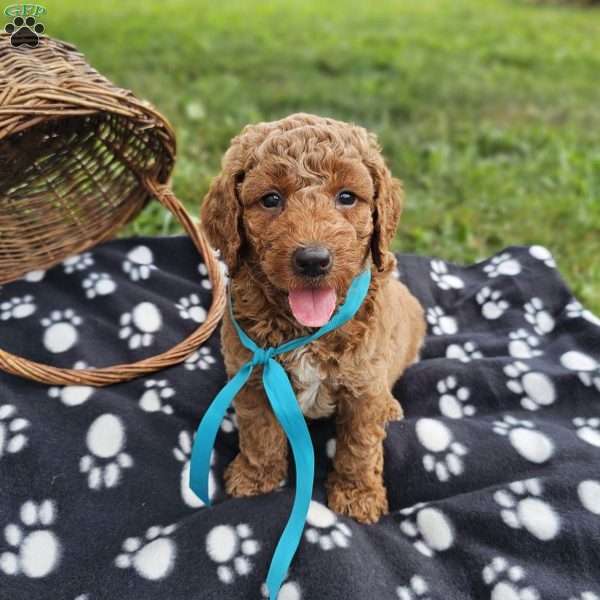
x=286 y=409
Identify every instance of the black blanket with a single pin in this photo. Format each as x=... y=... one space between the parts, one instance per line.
x=493 y=477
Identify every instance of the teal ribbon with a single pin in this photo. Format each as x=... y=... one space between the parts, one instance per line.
x=285 y=407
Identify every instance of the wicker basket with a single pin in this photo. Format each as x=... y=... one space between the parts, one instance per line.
x=80 y=157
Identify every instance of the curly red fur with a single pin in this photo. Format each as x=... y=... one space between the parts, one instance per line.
x=350 y=371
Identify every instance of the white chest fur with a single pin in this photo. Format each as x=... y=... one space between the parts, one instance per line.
x=307 y=379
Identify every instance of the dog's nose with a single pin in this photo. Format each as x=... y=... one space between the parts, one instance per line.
x=312 y=261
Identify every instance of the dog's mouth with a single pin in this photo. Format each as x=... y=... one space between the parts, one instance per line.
x=312 y=306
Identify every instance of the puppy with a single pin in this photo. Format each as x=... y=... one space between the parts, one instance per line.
x=302 y=206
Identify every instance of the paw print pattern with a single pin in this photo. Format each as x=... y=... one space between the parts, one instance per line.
x=503 y=264
x=538 y=316
x=429 y=529
x=156 y=392
x=587 y=369
x=98 y=284
x=17 y=308
x=73 y=395
x=230 y=422
x=588 y=430
x=443 y=279
x=523 y=344
x=575 y=310
x=465 y=352
x=325 y=529
x=506 y=581
x=585 y=596
x=444 y=456
x=589 y=495
x=105 y=462
x=290 y=590
x=441 y=324
x=78 y=262
x=13 y=434
x=35 y=550
x=453 y=399
x=206 y=282
x=492 y=305
x=526 y=439
x=522 y=508
x=24 y=32
x=153 y=556
x=543 y=254
x=417 y=589
x=139 y=326
x=201 y=359
x=190 y=308
x=139 y=263
x=231 y=548
x=60 y=333
x=34 y=276
x=182 y=453
x=536 y=389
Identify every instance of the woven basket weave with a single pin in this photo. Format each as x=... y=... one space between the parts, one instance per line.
x=80 y=157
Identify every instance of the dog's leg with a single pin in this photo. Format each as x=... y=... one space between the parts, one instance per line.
x=261 y=464
x=355 y=486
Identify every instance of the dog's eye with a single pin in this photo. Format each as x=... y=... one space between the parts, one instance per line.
x=271 y=200
x=346 y=198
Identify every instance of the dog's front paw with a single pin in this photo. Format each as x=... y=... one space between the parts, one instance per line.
x=394 y=411
x=354 y=499
x=243 y=479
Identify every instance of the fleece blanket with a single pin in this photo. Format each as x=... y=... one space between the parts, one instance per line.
x=493 y=477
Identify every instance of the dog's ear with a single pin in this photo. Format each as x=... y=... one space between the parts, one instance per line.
x=389 y=199
x=221 y=212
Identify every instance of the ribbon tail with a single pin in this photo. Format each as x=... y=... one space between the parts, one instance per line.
x=285 y=406
x=206 y=433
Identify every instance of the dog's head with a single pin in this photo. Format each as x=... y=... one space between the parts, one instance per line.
x=306 y=200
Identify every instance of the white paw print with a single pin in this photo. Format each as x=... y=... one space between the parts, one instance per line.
x=98 y=284
x=201 y=359
x=506 y=581
x=105 y=463
x=536 y=389
x=543 y=254
x=492 y=305
x=140 y=325
x=524 y=437
x=589 y=495
x=441 y=324
x=523 y=344
x=443 y=279
x=182 y=453
x=522 y=508
x=73 y=395
x=230 y=422
x=538 y=316
x=13 y=436
x=156 y=391
x=290 y=590
x=139 y=263
x=34 y=276
x=465 y=352
x=585 y=596
x=78 y=262
x=206 y=282
x=588 y=430
x=575 y=310
x=231 y=547
x=17 y=308
x=416 y=590
x=503 y=264
x=453 y=399
x=190 y=308
x=325 y=529
x=444 y=457
x=61 y=330
x=153 y=556
x=429 y=529
x=587 y=369
x=35 y=549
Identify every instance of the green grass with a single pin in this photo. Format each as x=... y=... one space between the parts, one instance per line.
x=489 y=110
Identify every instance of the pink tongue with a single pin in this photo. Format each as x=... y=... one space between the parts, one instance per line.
x=312 y=307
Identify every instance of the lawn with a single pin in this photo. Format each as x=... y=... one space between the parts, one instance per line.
x=489 y=110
